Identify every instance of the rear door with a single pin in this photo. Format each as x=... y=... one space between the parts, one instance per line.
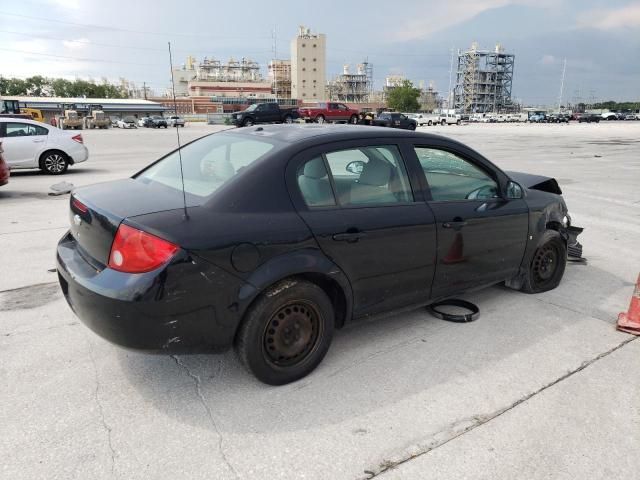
x=22 y=143
x=333 y=113
x=482 y=236
x=357 y=199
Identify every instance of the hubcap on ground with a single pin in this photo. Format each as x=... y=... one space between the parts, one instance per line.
x=54 y=163
x=291 y=334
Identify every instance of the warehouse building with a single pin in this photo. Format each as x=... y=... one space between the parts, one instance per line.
x=113 y=107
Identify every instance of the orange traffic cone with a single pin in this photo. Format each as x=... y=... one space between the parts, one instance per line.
x=630 y=322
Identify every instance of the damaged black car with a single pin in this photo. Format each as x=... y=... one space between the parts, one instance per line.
x=270 y=238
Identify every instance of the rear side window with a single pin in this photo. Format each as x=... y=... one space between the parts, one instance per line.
x=207 y=163
x=451 y=177
x=314 y=184
x=370 y=175
x=24 y=130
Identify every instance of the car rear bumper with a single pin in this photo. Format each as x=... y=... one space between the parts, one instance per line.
x=165 y=310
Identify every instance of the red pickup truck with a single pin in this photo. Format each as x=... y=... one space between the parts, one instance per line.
x=329 y=112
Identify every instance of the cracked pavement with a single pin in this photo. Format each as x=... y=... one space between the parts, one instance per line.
x=539 y=387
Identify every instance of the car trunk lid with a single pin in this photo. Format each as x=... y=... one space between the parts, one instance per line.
x=96 y=211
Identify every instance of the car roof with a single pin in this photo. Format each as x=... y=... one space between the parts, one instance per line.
x=322 y=133
x=22 y=120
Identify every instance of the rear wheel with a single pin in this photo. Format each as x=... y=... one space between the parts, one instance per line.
x=443 y=123
x=320 y=119
x=548 y=264
x=287 y=332
x=429 y=123
x=54 y=162
x=458 y=122
x=288 y=119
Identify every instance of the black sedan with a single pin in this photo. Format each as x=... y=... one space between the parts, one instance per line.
x=395 y=120
x=284 y=233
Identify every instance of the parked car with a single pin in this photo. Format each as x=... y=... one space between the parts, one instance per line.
x=589 y=118
x=425 y=118
x=288 y=233
x=157 y=121
x=264 y=113
x=631 y=116
x=176 y=121
x=395 y=120
x=558 y=118
x=127 y=122
x=329 y=112
x=609 y=116
x=114 y=122
x=4 y=169
x=31 y=144
x=449 y=119
x=538 y=117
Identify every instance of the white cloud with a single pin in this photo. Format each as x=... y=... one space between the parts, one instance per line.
x=610 y=19
x=76 y=44
x=437 y=16
x=72 y=4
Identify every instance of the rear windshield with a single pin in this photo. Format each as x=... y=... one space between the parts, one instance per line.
x=207 y=163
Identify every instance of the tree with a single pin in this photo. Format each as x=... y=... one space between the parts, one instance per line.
x=404 y=98
x=38 y=86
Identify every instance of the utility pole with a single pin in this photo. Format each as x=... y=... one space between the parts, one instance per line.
x=564 y=68
x=274 y=62
x=144 y=89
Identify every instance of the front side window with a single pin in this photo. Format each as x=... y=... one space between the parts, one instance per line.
x=450 y=177
x=369 y=175
x=207 y=163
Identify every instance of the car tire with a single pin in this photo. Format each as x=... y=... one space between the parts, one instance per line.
x=429 y=123
x=288 y=119
x=54 y=162
x=271 y=339
x=353 y=120
x=443 y=123
x=547 y=265
x=320 y=119
x=247 y=122
x=458 y=122
x=412 y=126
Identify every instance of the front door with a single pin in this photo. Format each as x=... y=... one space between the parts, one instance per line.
x=481 y=236
x=365 y=217
x=22 y=142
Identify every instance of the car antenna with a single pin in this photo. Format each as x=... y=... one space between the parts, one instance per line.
x=175 y=108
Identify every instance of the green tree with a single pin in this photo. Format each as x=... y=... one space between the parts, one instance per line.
x=12 y=86
x=404 y=98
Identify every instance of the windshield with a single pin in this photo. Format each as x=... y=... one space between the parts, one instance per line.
x=207 y=163
x=252 y=107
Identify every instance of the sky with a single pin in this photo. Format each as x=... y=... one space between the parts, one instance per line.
x=600 y=40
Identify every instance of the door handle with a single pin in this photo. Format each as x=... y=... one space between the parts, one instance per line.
x=349 y=236
x=454 y=224
x=35 y=140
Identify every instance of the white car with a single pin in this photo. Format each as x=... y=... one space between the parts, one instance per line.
x=127 y=122
x=31 y=144
x=175 y=121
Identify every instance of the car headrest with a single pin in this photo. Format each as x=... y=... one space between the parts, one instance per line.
x=315 y=169
x=376 y=172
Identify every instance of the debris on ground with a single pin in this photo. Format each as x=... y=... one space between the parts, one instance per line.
x=61 y=188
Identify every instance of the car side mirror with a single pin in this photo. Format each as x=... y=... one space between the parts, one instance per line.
x=355 y=167
x=514 y=191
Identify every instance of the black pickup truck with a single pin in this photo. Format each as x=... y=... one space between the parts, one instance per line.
x=264 y=113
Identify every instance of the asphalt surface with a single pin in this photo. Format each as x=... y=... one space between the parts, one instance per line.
x=541 y=386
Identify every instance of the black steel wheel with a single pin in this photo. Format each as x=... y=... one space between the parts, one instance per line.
x=54 y=162
x=547 y=265
x=286 y=332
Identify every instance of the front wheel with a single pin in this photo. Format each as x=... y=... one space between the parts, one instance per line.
x=412 y=126
x=353 y=120
x=288 y=119
x=443 y=123
x=247 y=122
x=458 y=122
x=320 y=119
x=287 y=332
x=547 y=265
x=54 y=163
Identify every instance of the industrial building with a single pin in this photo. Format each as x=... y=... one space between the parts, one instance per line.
x=352 y=87
x=308 y=66
x=483 y=81
x=280 y=77
x=113 y=107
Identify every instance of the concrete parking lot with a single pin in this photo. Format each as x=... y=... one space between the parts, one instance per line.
x=541 y=386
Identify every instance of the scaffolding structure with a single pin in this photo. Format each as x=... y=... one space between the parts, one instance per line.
x=280 y=77
x=352 y=87
x=243 y=70
x=483 y=81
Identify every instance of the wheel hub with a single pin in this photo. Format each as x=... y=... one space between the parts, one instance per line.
x=545 y=263
x=291 y=334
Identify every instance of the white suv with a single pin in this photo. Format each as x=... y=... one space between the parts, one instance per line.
x=31 y=144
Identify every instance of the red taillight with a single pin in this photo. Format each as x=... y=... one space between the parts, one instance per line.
x=135 y=251
x=78 y=205
x=78 y=138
